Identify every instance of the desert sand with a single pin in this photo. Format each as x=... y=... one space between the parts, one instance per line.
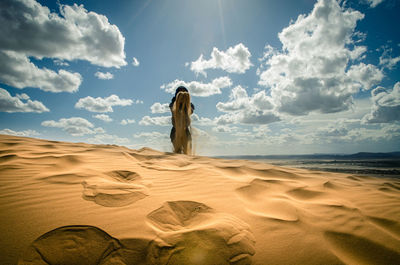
x=77 y=203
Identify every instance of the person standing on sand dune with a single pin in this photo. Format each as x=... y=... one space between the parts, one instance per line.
x=181 y=89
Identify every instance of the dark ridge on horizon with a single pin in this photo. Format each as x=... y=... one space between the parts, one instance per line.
x=359 y=155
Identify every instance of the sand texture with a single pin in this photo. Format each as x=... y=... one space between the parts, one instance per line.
x=76 y=203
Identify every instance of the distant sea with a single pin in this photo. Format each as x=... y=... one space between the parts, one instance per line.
x=363 y=164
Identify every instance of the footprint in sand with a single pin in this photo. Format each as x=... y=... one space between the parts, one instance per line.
x=193 y=233
x=187 y=233
x=82 y=244
x=120 y=188
x=70 y=245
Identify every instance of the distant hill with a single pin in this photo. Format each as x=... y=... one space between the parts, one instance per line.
x=360 y=155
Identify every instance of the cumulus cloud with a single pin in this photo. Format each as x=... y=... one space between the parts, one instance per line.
x=127 y=121
x=225 y=129
x=31 y=29
x=102 y=104
x=151 y=136
x=76 y=126
x=28 y=29
x=103 y=117
x=225 y=119
x=315 y=69
x=135 y=61
x=19 y=72
x=239 y=100
x=348 y=131
x=247 y=116
x=199 y=89
x=108 y=139
x=386 y=105
x=159 y=121
x=201 y=121
x=19 y=103
x=255 y=116
x=367 y=75
x=153 y=139
x=104 y=76
x=257 y=109
x=25 y=133
x=160 y=108
x=234 y=60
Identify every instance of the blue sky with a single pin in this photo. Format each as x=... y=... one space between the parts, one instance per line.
x=266 y=77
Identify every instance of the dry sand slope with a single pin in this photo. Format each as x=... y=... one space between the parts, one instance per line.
x=75 y=203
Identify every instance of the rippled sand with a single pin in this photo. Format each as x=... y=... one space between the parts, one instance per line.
x=69 y=203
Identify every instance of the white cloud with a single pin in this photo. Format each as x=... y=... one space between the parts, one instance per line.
x=247 y=116
x=104 y=76
x=9 y=103
x=159 y=121
x=225 y=129
x=160 y=108
x=60 y=62
x=333 y=130
x=255 y=116
x=238 y=100
x=365 y=74
x=386 y=60
x=31 y=29
x=234 y=60
x=225 y=119
x=261 y=101
x=386 y=105
x=200 y=89
x=256 y=109
x=102 y=104
x=76 y=126
x=372 y=3
x=25 y=133
x=19 y=72
x=22 y=96
x=108 y=139
x=202 y=137
x=127 y=121
x=311 y=72
x=342 y=131
x=201 y=121
x=151 y=136
x=153 y=139
x=103 y=117
x=135 y=61
x=391 y=130
x=389 y=62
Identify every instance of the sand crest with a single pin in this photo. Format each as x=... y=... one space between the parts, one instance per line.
x=76 y=203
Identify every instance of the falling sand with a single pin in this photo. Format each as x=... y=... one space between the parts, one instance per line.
x=76 y=203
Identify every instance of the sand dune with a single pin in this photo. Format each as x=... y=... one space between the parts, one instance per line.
x=76 y=203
